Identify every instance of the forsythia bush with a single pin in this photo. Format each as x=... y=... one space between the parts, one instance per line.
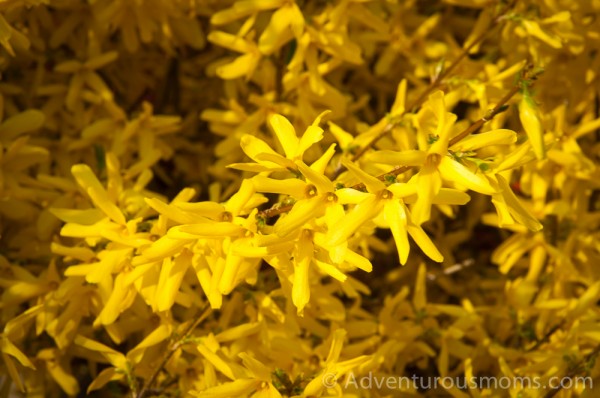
x=272 y=198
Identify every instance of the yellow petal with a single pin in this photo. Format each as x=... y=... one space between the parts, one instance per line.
x=301 y=285
x=21 y=123
x=158 y=335
x=351 y=196
x=331 y=270
x=399 y=103
x=285 y=133
x=312 y=135
x=292 y=187
x=429 y=183
x=204 y=275
x=117 y=359
x=394 y=158
x=5 y=34
x=115 y=304
x=424 y=242
x=516 y=208
x=504 y=218
x=449 y=196
x=248 y=251
x=402 y=190
x=335 y=349
x=13 y=372
x=322 y=183
x=189 y=31
x=395 y=216
x=303 y=211
x=320 y=165
x=229 y=15
x=372 y=183
x=530 y=119
x=171 y=212
x=169 y=281
x=358 y=261
x=230 y=275
x=236 y=388
x=456 y=172
x=86 y=179
x=101 y=200
x=104 y=377
x=533 y=28
x=210 y=230
x=341 y=136
x=362 y=212
x=277 y=31
x=253 y=147
x=224 y=366
x=240 y=331
x=243 y=65
x=162 y=248
x=9 y=348
x=229 y=41
x=516 y=158
x=284 y=163
x=420 y=294
x=74 y=92
x=63 y=378
x=241 y=198
x=482 y=140
x=101 y=60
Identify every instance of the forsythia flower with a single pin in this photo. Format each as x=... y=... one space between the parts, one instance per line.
x=286 y=198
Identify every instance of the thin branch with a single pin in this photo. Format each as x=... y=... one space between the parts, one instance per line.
x=172 y=351
x=547 y=336
x=275 y=211
x=396 y=171
x=473 y=128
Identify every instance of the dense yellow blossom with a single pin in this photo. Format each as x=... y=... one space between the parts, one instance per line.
x=293 y=198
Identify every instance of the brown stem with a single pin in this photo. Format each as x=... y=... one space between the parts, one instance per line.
x=396 y=171
x=275 y=211
x=473 y=128
x=172 y=351
x=547 y=336
x=432 y=86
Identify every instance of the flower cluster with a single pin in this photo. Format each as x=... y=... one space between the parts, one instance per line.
x=263 y=197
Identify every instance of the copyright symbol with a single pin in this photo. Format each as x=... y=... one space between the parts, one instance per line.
x=329 y=380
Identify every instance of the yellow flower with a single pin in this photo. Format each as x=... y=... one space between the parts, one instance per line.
x=285 y=23
x=84 y=75
x=389 y=201
x=269 y=160
x=10 y=351
x=257 y=382
x=60 y=370
x=245 y=64
x=530 y=119
x=436 y=163
x=333 y=368
x=120 y=368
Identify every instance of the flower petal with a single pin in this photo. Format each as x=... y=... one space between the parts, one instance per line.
x=456 y=172
x=372 y=183
x=395 y=215
x=285 y=133
x=481 y=140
